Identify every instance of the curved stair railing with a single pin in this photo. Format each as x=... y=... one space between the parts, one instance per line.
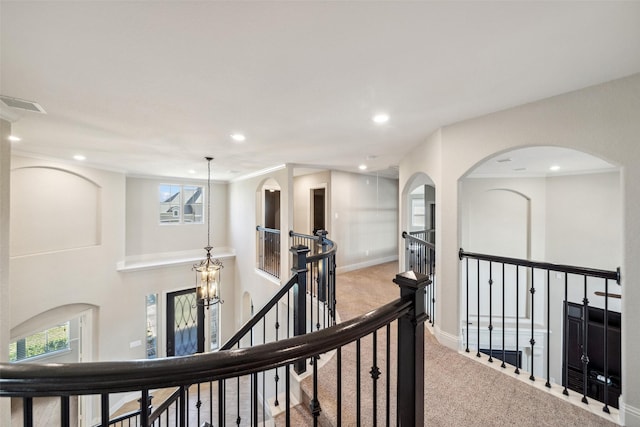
x=197 y=373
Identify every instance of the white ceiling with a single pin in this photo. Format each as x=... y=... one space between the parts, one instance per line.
x=150 y=88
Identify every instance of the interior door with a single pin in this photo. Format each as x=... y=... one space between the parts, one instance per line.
x=318 y=210
x=185 y=323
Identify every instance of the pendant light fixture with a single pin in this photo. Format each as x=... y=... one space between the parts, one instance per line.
x=208 y=270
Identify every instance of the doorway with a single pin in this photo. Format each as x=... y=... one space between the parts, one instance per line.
x=185 y=323
x=318 y=204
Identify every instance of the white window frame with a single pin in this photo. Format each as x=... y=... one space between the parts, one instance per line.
x=176 y=209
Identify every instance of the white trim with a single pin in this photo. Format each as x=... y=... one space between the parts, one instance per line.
x=8 y=114
x=364 y=264
x=259 y=173
x=629 y=415
x=169 y=259
x=446 y=339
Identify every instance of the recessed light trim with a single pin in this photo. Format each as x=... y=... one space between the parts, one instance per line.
x=380 y=118
x=362 y=167
x=79 y=157
x=554 y=168
x=192 y=171
x=238 y=137
x=14 y=138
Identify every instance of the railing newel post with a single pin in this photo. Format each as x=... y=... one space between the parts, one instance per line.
x=410 y=395
x=300 y=298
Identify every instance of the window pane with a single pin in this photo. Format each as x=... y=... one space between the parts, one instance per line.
x=193 y=197
x=50 y=340
x=214 y=326
x=152 y=326
x=169 y=203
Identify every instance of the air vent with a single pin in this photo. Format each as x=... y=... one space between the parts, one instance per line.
x=22 y=104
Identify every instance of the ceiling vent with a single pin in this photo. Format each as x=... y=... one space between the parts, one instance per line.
x=22 y=104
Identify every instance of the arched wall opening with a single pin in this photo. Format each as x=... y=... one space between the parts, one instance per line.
x=547 y=204
x=419 y=202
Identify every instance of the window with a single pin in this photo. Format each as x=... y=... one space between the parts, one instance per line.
x=417 y=213
x=44 y=342
x=214 y=312
x=181 y=204
x=152 y=326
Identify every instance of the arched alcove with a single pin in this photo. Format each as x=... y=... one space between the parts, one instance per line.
x=546 y=204
x=53 y=209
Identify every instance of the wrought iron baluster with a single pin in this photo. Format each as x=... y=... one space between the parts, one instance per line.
x=478 y=315
x=532 y=341
x=221 y=403
x=388 y=391
x=104 y=409
x=375 y=374
x=504 y=351
x=27 y=412
x=315 y=404
x=585 y=338
x=358 y=388
x=65 y=411
x=490 y=312
x=606 y=346
x=565 y=342
x=467 y=331
x=339 y=387
x=517 y=371
x=548 y=383
x=287 y=387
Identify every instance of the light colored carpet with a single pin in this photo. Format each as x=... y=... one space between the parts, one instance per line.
x=459 y=391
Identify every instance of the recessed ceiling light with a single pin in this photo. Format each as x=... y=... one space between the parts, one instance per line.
x=192 y=171
x=14 y=138
x=238 y=137
x=554 y=168
x=79 y=157
x=380 y=118
x=362 y=167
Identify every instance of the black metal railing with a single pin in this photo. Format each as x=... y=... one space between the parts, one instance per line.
x=295 y=309
x=200 y=379
x=529 y=304
x=269 y=250
x=420 y=256
x=321 y=276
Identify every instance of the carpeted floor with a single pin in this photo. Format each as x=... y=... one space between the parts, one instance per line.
x=459 y=391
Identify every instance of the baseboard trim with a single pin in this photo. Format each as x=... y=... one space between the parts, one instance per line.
x=365 y=264
x=447 y=339
x=629 y=415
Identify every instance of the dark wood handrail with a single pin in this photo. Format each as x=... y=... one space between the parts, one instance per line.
x=123 y=376
x=270 y=230
x=408 y=236
x=604 y=274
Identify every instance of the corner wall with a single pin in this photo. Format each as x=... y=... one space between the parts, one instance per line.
x=603 y=120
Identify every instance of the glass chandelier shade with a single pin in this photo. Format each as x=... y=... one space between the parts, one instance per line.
x=208 y=270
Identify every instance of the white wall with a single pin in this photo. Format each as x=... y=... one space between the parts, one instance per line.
x=245 y=198
x=302 y=186
x=144 y=233
x=603 y=120
x=5 y=290
x=70 y=274
x=363 y=219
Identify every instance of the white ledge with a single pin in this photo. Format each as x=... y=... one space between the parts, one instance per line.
x=167 y=259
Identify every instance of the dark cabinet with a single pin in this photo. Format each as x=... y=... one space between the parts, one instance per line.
x=597 y=383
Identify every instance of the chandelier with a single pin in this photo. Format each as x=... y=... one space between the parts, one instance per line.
x=208 y=270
